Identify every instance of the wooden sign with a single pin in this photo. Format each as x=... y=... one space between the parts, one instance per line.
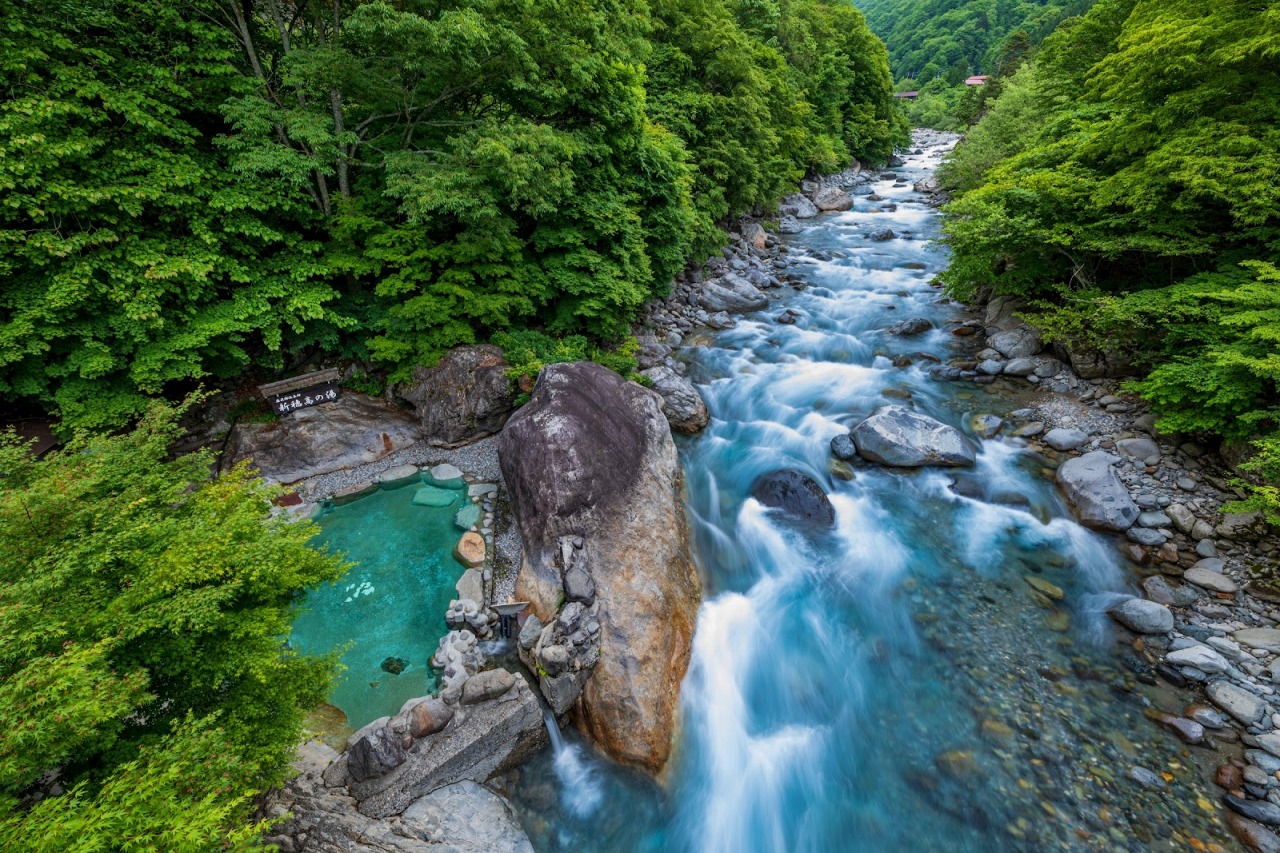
x=302 y=392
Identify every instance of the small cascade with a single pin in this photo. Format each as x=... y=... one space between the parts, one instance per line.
x=580 y=790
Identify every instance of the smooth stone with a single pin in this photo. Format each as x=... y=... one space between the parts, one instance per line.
x=467 y=517
x=444 y=473
x=1253 y=835
x=1201 y=657
x=1259 y=810
x=1063 y=439
x=1267 y=639
x=433 y=497
x=842 y=447
x=1270 y=741
x=1204 y=715
x=1213 y=564
x=478 y=490
x=1206 y=548
x=1043 y=587
x=1236 y=701
x=1209 y=580
x=1019 y=367
x=1154 y=520
x=1145 y=536
x=986 y=426
x=1095 y=492
x=1142 y=616
x=1146 y=778
x=487 y=685
x=1030 y=430
x=398 y=475
x=1138 y=448
x=991 y=367
x=797 y=495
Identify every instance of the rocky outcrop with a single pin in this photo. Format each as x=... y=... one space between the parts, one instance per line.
x=467 y=396
x=353 y=430
x=1095 y=493
x=464 y=817
x=799 y=206
x=1096 y=364
x=501 y=726
x=591 y=456
x=897 y=436
x=681 y=403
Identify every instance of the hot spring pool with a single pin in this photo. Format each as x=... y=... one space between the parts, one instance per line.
x=391 y=604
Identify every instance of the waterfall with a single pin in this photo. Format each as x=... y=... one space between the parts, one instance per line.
x=580 y=790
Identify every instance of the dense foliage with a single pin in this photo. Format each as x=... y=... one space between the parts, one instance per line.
x=1128 y=184
x=202 y=188
x=956 y=38
x=141 y=668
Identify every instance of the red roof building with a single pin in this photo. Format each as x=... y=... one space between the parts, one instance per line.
x=978 y=80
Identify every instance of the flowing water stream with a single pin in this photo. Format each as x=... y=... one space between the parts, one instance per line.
x=896 y=685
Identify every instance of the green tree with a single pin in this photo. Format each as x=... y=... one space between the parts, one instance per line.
x=141 y=667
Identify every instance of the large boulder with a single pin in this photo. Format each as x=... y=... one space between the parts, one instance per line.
x=832 y=198
x=1021 y=342
x=1095 y=493
x=731 y=293
x=897 y=436
x=798 y=206
x=591 y=456
x=797 y=495
x=353 y=430
x=681 y=403
x=465 y=397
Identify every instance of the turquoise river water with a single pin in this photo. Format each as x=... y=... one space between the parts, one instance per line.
x=896 y=685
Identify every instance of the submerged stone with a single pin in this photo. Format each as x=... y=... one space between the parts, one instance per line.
x=431 y=496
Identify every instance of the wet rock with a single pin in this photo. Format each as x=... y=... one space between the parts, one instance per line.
x=1095 y=493
x=1253 y=835
x=881 y=236
x=896 y=436
x=1030 y=430
x=1145 y=536
x=1065 y=439
x=1236 y=701
x=681 y=403
x=1019 y=367
x=591 y=455
x=797 y=495
x=1205 y=716
x=991 y=367
x=1189 y=730
x=464 y=397
x=986 y=426
x=394 y=665
x=1259 y=810
x=789 y=225
x=1142 y=616
x=842 y=447
x=911 y=326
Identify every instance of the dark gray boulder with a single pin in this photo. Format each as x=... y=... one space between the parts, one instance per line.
x=911 y=326
x=842 y=447
x=684 y=407
x=896 y=436
x=798 y=496
x=375 y=754
x=1095 y=493
x=465 y=397
x=591 y=456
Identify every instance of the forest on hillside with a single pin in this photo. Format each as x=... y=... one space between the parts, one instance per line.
x=203 y=189
x=1126 y=184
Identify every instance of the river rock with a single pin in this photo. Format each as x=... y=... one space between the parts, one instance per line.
x=1201 y=657
x=1142 y=616
x=424 y=716
x=1138 y=448
x=591 y=456
x=1212 y=581
x=1095 y=493
x=1253 y=835
x=1259 y=810
x=911 y=326
x=480 y=742
x=831 y=198
x=1019 y=367
x=732 y=294
x=464 y=397
x=842 y=447
x=896 y=436
x=1267 y=639
x=684 y=407
x=1022 y=342
x=1064 y=439
x=1236 y=701
x=789 y=225
x=798 y=496
x=353 y=430
x=798 y=206
x=486 y=685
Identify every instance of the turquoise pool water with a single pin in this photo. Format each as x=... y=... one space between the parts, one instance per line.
x=391 y=603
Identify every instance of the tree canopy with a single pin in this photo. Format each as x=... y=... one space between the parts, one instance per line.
x=205 y=188
x=1128 y=184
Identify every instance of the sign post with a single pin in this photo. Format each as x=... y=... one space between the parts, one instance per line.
x=302 y=392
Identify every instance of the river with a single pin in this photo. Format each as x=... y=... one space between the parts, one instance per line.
x=897 y=684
